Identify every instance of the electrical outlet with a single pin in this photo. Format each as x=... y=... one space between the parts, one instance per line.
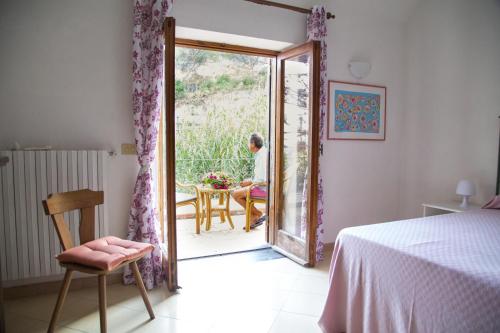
x=129 y=149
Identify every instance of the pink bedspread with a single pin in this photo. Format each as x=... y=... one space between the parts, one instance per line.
x=433 y=274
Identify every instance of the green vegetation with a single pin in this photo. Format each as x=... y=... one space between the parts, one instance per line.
x=221 y=99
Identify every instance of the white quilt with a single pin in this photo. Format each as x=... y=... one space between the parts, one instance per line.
x=433 y=274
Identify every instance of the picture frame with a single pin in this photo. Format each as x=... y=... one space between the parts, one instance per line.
x=356 y=111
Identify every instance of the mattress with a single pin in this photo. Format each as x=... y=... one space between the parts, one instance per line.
x=432 y=274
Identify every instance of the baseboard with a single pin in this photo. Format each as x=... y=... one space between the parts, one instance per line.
x=328 y=247
x=49 y=287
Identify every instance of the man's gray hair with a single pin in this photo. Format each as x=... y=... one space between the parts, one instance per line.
x=257 y=140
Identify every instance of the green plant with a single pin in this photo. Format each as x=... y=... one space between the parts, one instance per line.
x=248 y=81
x=180 y=89
x=224 y=82
x=219 y=142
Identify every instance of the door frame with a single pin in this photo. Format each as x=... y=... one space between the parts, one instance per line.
x=168 y=180
x=169 y=188
x=167 y=207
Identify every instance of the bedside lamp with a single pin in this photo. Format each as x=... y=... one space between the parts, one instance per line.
x=466 y=188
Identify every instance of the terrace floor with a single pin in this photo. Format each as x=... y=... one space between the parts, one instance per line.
x=220 y=239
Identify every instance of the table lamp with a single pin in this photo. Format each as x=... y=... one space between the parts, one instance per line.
x=466 y=188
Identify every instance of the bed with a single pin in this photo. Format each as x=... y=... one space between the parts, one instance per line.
x=433 y=274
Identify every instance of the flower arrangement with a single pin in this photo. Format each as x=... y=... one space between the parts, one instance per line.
x=218 y=180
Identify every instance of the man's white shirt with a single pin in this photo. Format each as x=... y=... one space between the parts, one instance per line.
x=260 y=168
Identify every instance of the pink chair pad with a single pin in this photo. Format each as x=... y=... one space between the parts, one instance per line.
x=258 y=192
x=105 y=253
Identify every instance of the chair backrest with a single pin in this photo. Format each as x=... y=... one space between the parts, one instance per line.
x=59 y=203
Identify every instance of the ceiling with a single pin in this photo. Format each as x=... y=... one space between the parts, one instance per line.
x=394 y=10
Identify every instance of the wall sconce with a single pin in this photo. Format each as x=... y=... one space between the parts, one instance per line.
x=359 y=69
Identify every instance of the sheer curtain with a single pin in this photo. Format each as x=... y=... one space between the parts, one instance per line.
x=147 y=76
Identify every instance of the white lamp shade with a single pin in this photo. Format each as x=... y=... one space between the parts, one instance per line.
x=359 y=69
x=466 y=188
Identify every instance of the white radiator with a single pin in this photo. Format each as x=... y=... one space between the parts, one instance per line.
x=28 y=241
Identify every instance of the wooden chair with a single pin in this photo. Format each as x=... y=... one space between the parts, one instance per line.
x=251 y=201
x=186 y=199
x=110 y=250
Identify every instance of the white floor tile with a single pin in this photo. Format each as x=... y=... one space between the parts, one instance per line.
x=304 y=303
x=295 y=323
x=244 y=320
x=315 y=284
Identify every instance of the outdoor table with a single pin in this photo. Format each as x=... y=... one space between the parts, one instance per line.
x=207 y=193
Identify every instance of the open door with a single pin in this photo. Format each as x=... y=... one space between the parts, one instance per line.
x=293 y=208
x=169 y=182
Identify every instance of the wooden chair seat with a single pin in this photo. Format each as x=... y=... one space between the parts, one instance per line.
x=258 y=199
x=193 y=198
x=97 y=271
x=184 y=198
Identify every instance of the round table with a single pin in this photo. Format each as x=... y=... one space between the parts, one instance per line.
x=207 y=193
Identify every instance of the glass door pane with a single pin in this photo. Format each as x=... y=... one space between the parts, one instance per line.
x=295 y=147
x=297 y=151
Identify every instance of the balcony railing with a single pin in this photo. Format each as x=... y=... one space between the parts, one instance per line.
x=191 y=171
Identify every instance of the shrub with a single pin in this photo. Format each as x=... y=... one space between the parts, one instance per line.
x=219 y=142
x=180 y=89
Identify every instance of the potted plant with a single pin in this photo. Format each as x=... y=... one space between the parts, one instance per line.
x=218 y=180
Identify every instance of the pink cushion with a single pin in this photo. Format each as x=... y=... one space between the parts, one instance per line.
x=105 y=253
x=258 y=192
x=493 y=203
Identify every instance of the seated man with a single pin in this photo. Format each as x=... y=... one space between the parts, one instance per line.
x=256 y=146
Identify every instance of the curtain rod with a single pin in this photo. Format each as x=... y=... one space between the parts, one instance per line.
x=289 y=7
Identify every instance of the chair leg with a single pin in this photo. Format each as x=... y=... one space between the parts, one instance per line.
x=248 y=208
x=60 y=299
x=221 y=213
x=197 y=216
x=228 y=211
x=208 y=200
x=102 y=301
x=202 y=209
x=140 y=285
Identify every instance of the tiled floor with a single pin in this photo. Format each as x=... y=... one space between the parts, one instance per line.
x=220 y=239
x=224 y=294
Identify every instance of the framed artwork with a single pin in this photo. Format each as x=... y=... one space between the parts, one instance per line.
x=355 y=111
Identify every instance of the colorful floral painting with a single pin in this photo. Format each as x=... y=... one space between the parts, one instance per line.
x=356 y=111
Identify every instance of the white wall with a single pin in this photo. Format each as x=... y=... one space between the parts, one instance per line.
x=65 y=81
x=242 y=18
x=451 y=124
x=361 y=178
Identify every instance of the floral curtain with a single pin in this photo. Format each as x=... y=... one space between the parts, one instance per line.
x=147 y=76
x=316 y=30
